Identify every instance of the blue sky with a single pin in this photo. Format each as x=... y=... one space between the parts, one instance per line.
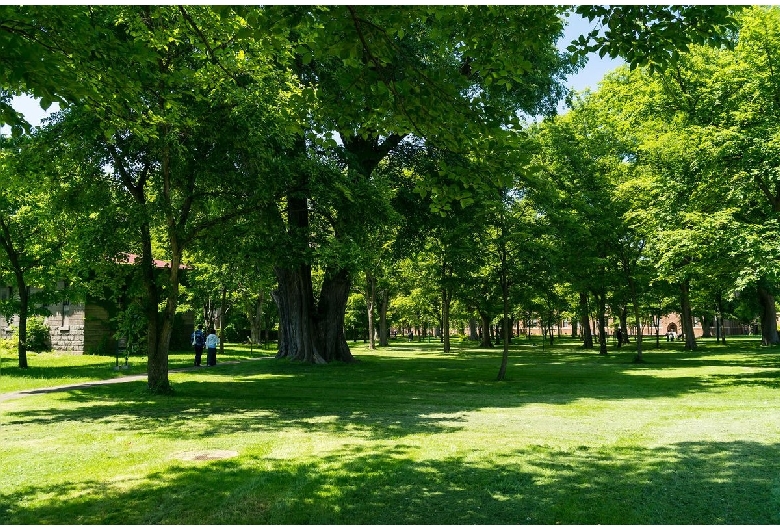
x=596 y=67
x=588 y=77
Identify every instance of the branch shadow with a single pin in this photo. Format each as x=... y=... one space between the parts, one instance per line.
x=381 y=398
x=685 y=483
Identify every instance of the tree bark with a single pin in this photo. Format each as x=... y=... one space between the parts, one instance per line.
x=706 y=324
x=687 y=316
x=769 y=335
x=602 y=320
x=445 y=319
x=332 y=306
x=294 y=299
x=638 y=358
x=473 y=329
x=383 y=331
x=6 y=241
x=587 y=336
x=222 y=309
x=370 y=301
x=720 y=332
x=24 y=310
x=255 y=317
x=303 y=327
x=159 y=326
x=486 y=343
x=505 y=299
x=624 y=325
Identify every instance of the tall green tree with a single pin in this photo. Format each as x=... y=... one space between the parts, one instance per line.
x=178 y=145
x=31 y=235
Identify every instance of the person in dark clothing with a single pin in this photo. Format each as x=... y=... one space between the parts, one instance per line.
x=198 y=341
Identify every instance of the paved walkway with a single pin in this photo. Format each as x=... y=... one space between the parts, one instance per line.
x=87 y=384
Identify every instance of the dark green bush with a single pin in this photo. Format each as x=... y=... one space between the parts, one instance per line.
x=38 y=337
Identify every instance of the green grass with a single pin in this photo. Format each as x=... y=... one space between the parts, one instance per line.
x=408 y=435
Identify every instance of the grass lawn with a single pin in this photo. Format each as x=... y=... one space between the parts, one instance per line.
x=408 y=435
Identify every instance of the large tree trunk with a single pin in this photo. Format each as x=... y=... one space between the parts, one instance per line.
x=587 y=337
x=294 y=299
x=687 y=316
x=160 y=325
x=331 y=309
x=298 y=317
x=157 y=361
x=769 y=335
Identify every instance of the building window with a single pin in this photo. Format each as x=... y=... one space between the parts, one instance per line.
x=65 y=322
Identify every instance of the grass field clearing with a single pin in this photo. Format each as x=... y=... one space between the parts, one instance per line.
x=408 y=435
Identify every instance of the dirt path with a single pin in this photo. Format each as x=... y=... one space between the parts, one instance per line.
x=87 y=384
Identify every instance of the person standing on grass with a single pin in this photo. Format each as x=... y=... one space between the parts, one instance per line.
x=212 y=341
x=198 y=341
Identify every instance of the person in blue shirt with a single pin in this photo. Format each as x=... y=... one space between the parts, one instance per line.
x=198 y=341
x=211 y=347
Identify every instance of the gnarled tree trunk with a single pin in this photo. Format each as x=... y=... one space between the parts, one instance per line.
x=331 y=309
x=297 y=326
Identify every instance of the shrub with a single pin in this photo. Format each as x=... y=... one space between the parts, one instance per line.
x=38 y=337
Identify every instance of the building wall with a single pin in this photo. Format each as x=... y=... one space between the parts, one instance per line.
x=667 y=323
x=86 y=327
x=66 y=326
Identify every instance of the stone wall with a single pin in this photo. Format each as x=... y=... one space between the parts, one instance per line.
x=66 y=327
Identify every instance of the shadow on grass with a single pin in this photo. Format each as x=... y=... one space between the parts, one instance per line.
x=685 y=483
x=380 y=398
